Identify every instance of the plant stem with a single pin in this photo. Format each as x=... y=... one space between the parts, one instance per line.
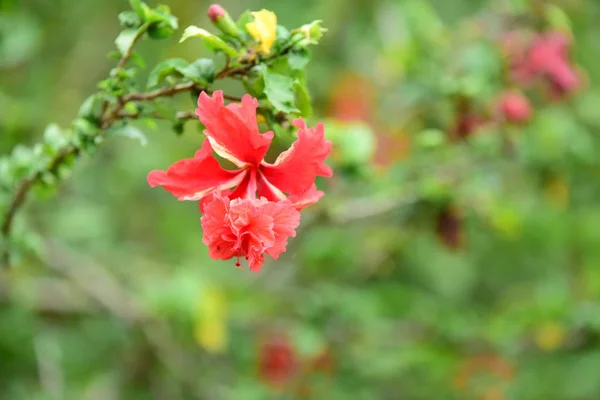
x=108 y=116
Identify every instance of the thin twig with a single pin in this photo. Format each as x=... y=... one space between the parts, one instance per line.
x=107 y=117
x=21 y=195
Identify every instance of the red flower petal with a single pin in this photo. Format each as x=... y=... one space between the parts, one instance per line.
x=285 y=220
x=247 y=228
x=267 y=190
x=232 y=129
x=311 y=196
x=295 y=169
x=253 y=229
x=194 y=178
x=218 y=235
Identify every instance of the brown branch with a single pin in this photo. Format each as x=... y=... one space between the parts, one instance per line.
x=107 y=118
x=162 y=92
x=21 y=195
x=181 y=115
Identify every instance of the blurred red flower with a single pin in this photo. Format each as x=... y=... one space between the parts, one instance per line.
x=546 y=57
x=278 y=361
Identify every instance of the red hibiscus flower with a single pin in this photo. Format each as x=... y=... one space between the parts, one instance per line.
x=254 y=209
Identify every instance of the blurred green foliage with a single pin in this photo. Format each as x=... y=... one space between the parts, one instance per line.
x=434 y=268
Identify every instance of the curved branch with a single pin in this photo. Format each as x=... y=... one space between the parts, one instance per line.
x=110 y=115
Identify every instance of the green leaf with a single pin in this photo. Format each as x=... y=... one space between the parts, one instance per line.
x=113 y=55
x=83 y=127
x=255 y=87
x=129 y=19
x=133 y=133
x=201 y=71
x=90 y=107
x=211 y=41
x=21 y=155
x=162 y=23
x=138 y=60
x=279 y=90
x=140 y=8
x=298 y=59
x=162 y=14
x=282 y=38
x=125 y=40
x=160 y=31
x=302 y=99
x=244 y=18
x=166 y=68
x=55 y=137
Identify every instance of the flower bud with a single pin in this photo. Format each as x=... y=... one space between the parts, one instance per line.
x=515 y=107
x=215 y=11
x=222 y=20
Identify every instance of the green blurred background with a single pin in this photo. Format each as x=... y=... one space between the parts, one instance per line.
x=384 y=293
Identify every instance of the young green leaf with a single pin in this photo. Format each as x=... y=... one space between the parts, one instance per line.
x=255 y=87
x=201 y=71
x=243 y=20
x=21 y=155
x=162 y=23
x=298 y=59
x=162 y=14
x=90 y=108
x=83 y=127
x=138 y=60
x=279 y=90
x=129 y=19
x=282 y=38
x=211 y=41
x=166 y=68
x=140 y=8
x=55 y=137
x=302 y=99
x=125 y=40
